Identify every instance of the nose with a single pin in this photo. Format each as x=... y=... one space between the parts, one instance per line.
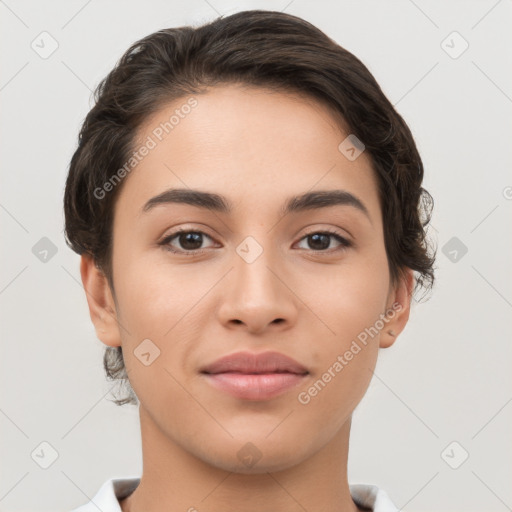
x=258 y=295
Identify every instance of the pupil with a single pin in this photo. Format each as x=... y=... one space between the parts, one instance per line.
x=316 y=238
x=187 y=240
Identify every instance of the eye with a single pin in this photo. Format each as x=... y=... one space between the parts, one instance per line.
x=319 y=241
x=190 y=241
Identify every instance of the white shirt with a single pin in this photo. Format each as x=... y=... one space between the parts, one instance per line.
x=113 y=490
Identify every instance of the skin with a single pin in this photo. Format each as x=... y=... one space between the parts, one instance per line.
x=257 y=148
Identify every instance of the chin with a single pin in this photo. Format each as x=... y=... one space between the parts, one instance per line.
x=255 y=457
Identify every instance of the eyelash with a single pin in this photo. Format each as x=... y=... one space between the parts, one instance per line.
x=344 y=243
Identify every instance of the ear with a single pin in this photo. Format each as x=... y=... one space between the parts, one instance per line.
x=101 y=303
x=397 y=310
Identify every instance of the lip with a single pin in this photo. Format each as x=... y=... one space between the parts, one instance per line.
x=251 y=376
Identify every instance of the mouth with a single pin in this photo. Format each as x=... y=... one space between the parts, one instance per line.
x=250 y=376
x=254 y=386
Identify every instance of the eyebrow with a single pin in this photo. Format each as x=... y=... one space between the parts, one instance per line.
x=220 y=204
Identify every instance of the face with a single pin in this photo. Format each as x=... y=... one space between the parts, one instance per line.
x=309 y=281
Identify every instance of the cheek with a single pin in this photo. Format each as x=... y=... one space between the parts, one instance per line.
x=163 y=304
x=345 y=304
x=350 y=303
x=152 y=295
x=348 y=298
x=346 y=359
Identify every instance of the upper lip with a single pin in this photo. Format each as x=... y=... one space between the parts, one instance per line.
x=249 y=362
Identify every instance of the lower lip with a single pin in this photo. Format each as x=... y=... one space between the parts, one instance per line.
x=254 y=386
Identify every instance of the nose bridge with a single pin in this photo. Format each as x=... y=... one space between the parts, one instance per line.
x=255 y=267
x=257 y=295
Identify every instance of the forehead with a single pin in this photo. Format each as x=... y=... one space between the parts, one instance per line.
x=251 y=144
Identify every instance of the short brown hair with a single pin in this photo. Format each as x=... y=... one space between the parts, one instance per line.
x=267 y=49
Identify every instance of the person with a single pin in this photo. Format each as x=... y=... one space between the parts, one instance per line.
x=248 y=208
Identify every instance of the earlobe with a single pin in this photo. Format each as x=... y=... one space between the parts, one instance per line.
x=398 y=310
x=101 y=303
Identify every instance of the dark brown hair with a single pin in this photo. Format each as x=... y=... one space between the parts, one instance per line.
x=261 y=48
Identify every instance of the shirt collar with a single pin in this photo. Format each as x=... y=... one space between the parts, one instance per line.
x=113 y=490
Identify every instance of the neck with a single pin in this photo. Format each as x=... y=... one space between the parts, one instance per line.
x=175 y=479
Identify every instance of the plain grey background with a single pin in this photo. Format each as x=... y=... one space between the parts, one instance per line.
x=441 y=393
